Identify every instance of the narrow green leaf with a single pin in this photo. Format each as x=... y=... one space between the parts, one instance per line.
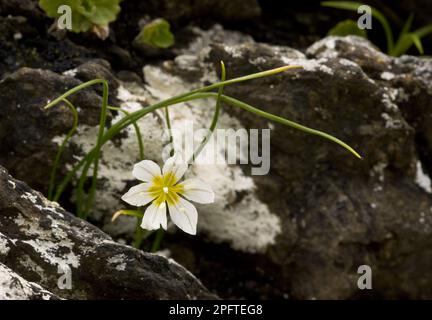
x=137 y=131
x=353 y=6
x=402 y=45
x=417 y=42
x=61 y=149
x=347 y=28
x=423 y=31
x=131 y=213
x=404 y=41
x=346 y=5
x=215 y=117
x=407 y=26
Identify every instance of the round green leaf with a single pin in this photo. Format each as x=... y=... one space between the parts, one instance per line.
x=157 y=34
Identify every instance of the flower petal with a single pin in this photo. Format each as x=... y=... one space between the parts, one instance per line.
x=138 y=195
x=155 y=217
x=146 y=170
x=198 y=191
x=184 y=215
x=176 y=166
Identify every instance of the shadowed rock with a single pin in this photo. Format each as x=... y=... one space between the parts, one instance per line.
x=27 y=130
x=37 y=237
x=15 y=287
x=303 y=230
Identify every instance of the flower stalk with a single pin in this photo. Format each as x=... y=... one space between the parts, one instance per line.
x=104 y=135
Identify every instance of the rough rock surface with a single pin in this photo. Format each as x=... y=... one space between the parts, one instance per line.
x=303 y=230
x=27 y=130
x=14 y=287
x=336 y=212
x=40 y=242
x=341 y=212
x=176 y=11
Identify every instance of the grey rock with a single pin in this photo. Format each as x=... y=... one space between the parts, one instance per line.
x=14 y=287
x=176 y=11
x=22 y=7
x=411 y=78
x=353 y=48
x=37 y=237
x=338 y=212
x=27 y=130
x=408 y=80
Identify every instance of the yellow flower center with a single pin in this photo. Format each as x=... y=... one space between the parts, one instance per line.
x=164 y=188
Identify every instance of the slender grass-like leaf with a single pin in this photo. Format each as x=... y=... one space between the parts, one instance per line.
x=353 y=6
x=61 y=148
x=92 y=157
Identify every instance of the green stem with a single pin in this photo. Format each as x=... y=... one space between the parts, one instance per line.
x=193 y=95
x=140 y=235
x=295 y=125
x=80 y=190
x=139 y=232
x=66 y=180
x=157 y=241
x=138 y=114
x=184 y=97
x=99 y=138
x=121 y=124
x=214 y=120
x=137 y=132
x=89 y=200
x=61 y=149
x=168 y=122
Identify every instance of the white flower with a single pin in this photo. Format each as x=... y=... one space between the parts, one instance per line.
x=163 y=189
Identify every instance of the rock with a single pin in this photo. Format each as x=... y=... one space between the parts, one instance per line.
x=96 y=69
x=411 y=79
x=302 y=230
x=335 y=212
x=39 y=241
x=407 y=78
x=353 y=48
x=27 y=130
x=20 y=7
x=175 y=11
x=22 y=44
x=14 y=287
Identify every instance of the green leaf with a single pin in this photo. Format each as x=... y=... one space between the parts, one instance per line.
x=424 y=31
x=346 y=5
x=407 y=26
x=131 y=213
x=406 y=40
x=402 y=45
x=104 y=11
x=347 y=28
x=85 y=13
x=417 y=42
x=353 y=6
x=156 y=34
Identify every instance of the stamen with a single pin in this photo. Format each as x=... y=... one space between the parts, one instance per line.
x=165 y=189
